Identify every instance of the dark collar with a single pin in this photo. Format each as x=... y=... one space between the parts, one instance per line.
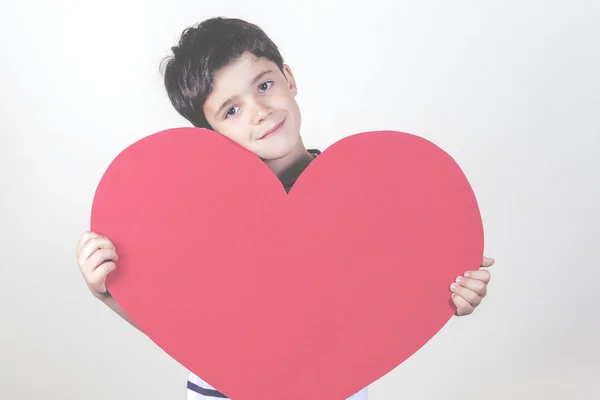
x=288 y=185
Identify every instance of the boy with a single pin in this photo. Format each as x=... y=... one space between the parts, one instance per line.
x=226 y=75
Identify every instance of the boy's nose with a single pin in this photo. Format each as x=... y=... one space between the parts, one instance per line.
x=261 y=111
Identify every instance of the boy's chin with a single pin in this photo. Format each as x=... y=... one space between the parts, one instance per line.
x=278 y=148
x=274 y=155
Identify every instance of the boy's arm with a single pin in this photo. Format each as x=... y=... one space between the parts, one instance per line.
x=96 y=256
x=113 y=305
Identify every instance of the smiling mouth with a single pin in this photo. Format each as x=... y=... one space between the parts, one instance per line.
x=272 y=131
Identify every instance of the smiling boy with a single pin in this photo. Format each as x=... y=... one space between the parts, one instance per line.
x=228 y=76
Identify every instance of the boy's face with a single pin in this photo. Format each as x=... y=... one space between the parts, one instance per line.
x=253 y=103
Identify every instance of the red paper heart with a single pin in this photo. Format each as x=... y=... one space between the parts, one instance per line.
x=265 y=295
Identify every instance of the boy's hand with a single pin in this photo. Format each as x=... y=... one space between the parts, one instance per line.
x=470 y=289
x=96 y=256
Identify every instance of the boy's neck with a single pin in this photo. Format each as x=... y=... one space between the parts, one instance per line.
x=289 y=168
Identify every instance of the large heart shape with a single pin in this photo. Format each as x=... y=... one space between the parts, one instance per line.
x=269 y=295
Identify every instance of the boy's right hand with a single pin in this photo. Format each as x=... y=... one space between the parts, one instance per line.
x=96 y=256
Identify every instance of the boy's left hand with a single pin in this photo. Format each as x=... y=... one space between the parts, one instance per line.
x=470 y=289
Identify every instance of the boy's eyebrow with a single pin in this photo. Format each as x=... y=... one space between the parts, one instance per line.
x=229 y=100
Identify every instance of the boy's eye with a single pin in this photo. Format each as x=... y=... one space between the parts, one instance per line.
x=230 y=112
x=265 y=86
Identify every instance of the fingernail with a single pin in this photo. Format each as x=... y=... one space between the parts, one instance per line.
x=467 y=274
x=453 y=286
x=459 y=280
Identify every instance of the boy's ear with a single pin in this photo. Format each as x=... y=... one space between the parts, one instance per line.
x=287 y=71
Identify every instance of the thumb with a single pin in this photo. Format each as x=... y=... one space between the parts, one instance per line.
x=487 y=262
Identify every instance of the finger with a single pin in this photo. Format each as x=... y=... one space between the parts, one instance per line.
x=84 y=239
x=487 y=262
x=463 y=307
x=482 y=275
x=469 y=295
x=475 y=285
x=99 y=257
x=99 y=275
x=95 y=243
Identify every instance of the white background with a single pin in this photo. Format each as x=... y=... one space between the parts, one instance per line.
x=510 y=89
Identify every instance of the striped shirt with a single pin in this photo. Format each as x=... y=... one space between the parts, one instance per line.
x=198 y=389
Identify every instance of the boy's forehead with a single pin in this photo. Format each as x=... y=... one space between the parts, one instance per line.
x=238 y=75
x=243 y=69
